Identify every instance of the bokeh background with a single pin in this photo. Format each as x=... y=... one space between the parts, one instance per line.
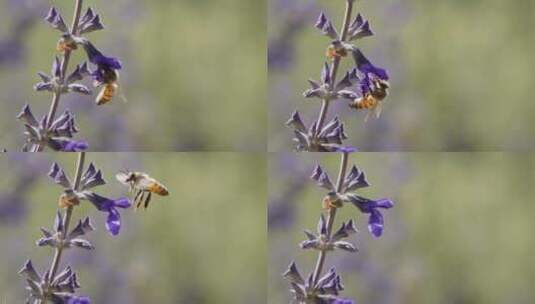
x=461 y=73
x=194 y=73
x=205 y=243
x=461 y=230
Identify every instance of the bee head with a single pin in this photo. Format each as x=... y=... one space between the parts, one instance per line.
x=131 y=177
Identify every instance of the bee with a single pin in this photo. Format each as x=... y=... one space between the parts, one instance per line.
x=142 y=185
x=66 y=43
x=372 y=100
x=336 y=49
x=110 y=86
x=331 y=200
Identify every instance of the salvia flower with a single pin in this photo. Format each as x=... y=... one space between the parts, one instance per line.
x=78 y=300
x=89 y=22
x=371 y=207
x=326 y=27
x=344 y=301
x=106 y=66
x=59 y=238
x=355 y=180
x=367 y=68
x=90 y=179
x=59 y=289
x=329 y=139
x=56 y=20
x=325 y=91
x=54 y=83
x=359 y=28
x=58 y=136
x=113 y=221
x=322 y=242
x=325 y=291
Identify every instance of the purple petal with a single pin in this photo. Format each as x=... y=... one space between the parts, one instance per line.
x=384 y=203
x=122 y=202
x=113 y=222
x=79 y=300
x=366 y=67
x=346 y=149
x=375 y=223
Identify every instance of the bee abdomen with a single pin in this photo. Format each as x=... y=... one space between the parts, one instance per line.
x=158 y=189
x=106 y=94
x=366 y=102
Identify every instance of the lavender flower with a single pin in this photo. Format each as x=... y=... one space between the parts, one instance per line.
x=61 y=287
x=91 y=178
x=79 y=300
x=106 y=66
x=326 y=288
x=58 y=136
x=51 y=132
x=369 y=82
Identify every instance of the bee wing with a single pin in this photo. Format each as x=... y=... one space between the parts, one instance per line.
x=378 y=110
x=368 y=114
x=122 y=177
x=146 y=183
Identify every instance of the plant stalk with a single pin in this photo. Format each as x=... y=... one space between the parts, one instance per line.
x=64 y=66
x=330 y=218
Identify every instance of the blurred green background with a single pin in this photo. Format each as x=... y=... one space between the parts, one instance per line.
x=461 y=230
x=205 y=243
x=461 y=73
x=194 y=74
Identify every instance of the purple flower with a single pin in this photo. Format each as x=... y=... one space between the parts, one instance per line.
x=371 y=207
x=113 y=222
x=360 y=28
x=90 y=22
x=56 y=20
x=346 y=149
x=329 y=139
x=97 y=58
x=57 y=136
x=67 y=145
x=367 y=68
x=79 y=300
x=326 y=27
x=344 y=301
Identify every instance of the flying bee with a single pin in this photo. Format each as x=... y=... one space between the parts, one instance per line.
x=372 y=101
x=142 y=185
x=110 y=85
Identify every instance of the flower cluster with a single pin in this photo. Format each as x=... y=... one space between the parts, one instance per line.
x=326 y=289
x=91 y=178
x=45 y=133
x=57 y=136
x=364 y=86
x=355 y=180
x=57 y=289
x=61 y=287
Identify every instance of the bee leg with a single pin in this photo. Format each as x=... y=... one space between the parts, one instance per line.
x=137 y=197
x=140 y=199
x=147 y=201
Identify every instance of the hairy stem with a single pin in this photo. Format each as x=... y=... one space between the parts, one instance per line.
x=64 y=66
x=330 y=218
x=67 y=216
x=335 y=65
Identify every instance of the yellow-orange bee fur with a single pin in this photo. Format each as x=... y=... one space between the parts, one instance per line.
x=335 y=51
x=109 y=85
x=107 y=93
x=372 y=100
